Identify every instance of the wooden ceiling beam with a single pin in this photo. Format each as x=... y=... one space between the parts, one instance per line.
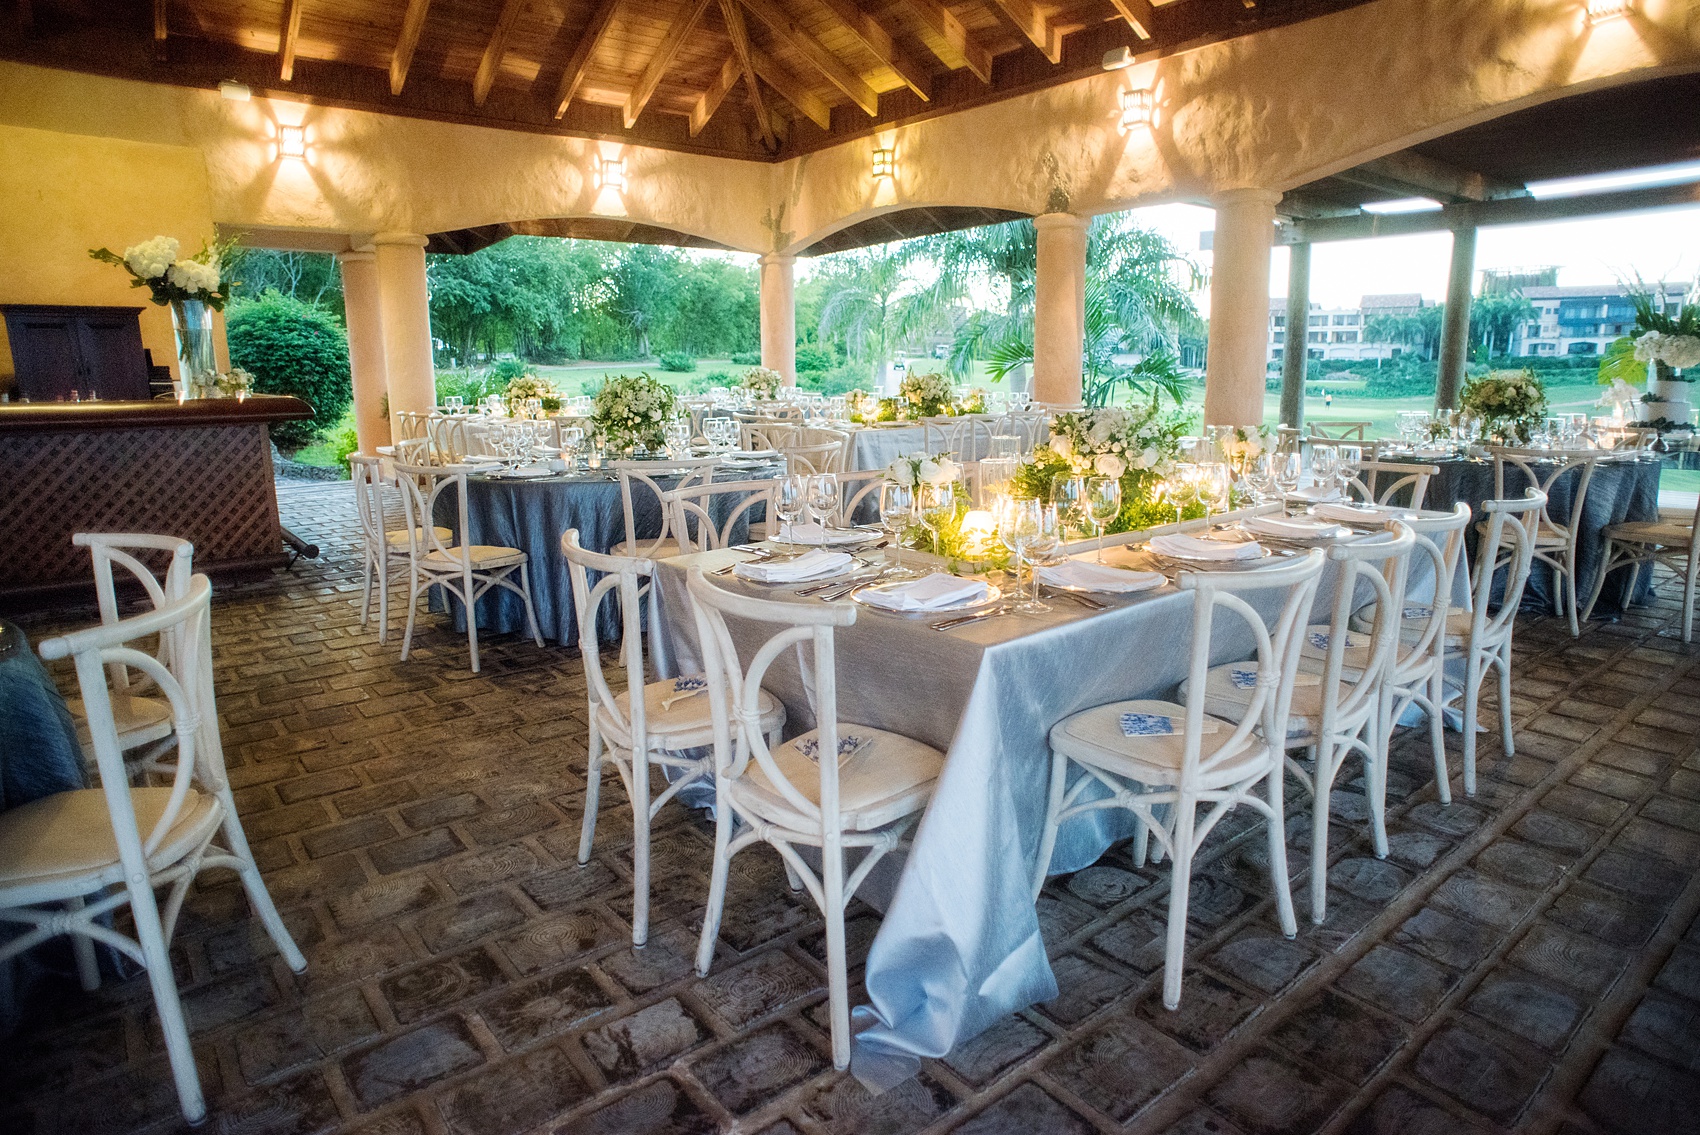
x=877 y=40
x=733 y=17
x=942 y=22
x=573 y=77
x=161 y=20
x=287 y=40
x=412 y=24
x=833 y=68
x=790 y=89
x=1140 y=16
x=1033 y=24
x=663 y=59
x=491 y=61
x=709 y=101
x=26 y=17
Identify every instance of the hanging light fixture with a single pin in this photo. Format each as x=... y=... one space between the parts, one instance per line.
x=611 y=174
x=1136 y=107
x=885 y=163
x=292 y=141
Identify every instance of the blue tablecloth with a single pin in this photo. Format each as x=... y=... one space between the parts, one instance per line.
x=531 y=515
x=39 y=754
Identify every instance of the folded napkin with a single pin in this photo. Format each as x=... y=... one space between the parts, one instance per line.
x=1292 y=527
x=1361 y=513
x=928 y=593
x=1314 y=493
x=809 y=565
x=1098 y=577
x=1321 y=639
x=531 y=471
x=1246 y=678
x=812 y=533
x=1183 y=547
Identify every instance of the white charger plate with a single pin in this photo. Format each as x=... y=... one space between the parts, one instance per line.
x=993 y=594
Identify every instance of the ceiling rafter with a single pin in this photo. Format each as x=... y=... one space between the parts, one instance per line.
x=791 y=89
x=573 y=77
x=1140 y=16
x=942 y=22
x=824 y=61
x=412 y=24
x=733 y=17
x=161 y=22
x=491 y=61
x=287 y=40
x=877 y=40
x=663 y=58
x=1033 y=24
x=709 y=101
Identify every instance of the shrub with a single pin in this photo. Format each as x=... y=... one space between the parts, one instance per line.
x=678 y=362
x=1399 y=378
x=293 y=348
x=814 y=358
x=344 y=441
x=747 y=359
x=838 y=380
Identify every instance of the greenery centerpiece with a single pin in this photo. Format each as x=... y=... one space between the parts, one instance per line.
x=192 y=287
x=631 y=413
x=1509 y=404
x=973 y=402
x=957 y=533
x=1137 y=445
x=762 y=383
x=925 y=396
x=528 y=386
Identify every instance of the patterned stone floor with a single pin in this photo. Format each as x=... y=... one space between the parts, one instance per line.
x=1526 y=960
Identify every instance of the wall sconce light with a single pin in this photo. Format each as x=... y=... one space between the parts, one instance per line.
x=611 y=174
x=234 y=91
x=1602 y=10
x=885 y=163
x=292 y=141
x=1136 y=108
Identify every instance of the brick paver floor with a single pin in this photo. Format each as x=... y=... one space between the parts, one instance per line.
x=1528 y=959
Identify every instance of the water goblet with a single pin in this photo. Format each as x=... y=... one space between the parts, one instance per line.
x=1183 y=488
x=1041 y=547
x=1325 y=467
x=823 y=500
x=897 y=512
x=1215 y=482
x=1069 y=495
x=1351 y=464
x=1289 y=470
x=1103 y=496
x=790 y=502
x=936 y=501
x=1019 y=522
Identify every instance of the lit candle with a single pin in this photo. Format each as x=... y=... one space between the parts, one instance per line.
x=978 y=528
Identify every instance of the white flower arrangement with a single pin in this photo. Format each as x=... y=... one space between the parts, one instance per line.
x=926 y=395
x=1678 y=351
x=920 y=469
x=763 y=383
x=1620 y=393
x=632 y=412
x=235 y=383
x=155 y=265
x=523 y=387
x=1508 y=403
x=1111 y=440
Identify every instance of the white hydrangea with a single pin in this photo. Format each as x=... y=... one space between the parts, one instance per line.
x=1681 y=351
x=152 y=258
x=1647 y=346
x=1109 y=465
x=193 y=276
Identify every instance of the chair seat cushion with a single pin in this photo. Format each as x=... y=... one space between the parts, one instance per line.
x=1411 y=629
x=1225 y=697
x=70 y=833
x=1094 y=737
x=887 y=778
x=1546 y=536
x=397 y=539
x=139 y=720
x=1669 y=533
x=485 y=557
x=689 y=721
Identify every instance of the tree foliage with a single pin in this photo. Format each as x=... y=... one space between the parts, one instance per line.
x=291 y=347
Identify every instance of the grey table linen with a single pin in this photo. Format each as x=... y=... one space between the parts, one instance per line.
x=39 y=753
x=960 y=947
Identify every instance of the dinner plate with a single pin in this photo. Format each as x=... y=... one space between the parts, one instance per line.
x=993 y=594
x=1145 y=585
x=842 y=572
x=1269 y=555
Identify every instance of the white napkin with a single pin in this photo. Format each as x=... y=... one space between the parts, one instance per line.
x=531 y=471
x=811 y=533
x=1314 y=493
x=1360 y=513
x=928 y=593
x=809 y=565
x=1291 y=527
x=1098 y=577
x=1183 y=547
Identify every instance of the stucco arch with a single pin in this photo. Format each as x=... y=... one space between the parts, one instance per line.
x=907 y=219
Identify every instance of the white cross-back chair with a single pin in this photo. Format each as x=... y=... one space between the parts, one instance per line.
x=796 y=794
x=70 y=859
x=855 y=487
x=465 y=571
x=813 y=449
x=1338 y=431
x=654 y=730
x=1337 y=697
x=766 y=433
x=967 y=438
x=448 y=435
x=1668 y=540
x=1378 y=482
x=383 y=549
x=140 y=715
x=407 y=425
x=1029 y=427
x=691 y=512
x=1219 y=769
x=1555 y=544
x=639 y=478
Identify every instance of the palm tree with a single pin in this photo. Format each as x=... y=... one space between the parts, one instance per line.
x=874 y=302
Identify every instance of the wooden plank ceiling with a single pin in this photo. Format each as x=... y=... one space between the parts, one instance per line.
x=757 y=79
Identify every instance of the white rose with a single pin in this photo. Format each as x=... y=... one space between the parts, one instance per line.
x=947 y=471
x=1146 y=458
x=1647 y=346
x=901 y=472
x=927 y=472
x=1062 y=447
x=1109 y=465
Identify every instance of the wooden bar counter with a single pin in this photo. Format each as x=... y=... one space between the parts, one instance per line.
x=200 y=469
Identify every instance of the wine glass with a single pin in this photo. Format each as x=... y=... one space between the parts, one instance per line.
x=1351 y=464
x=572 y=440
x=1215 y=481
x=1103 y=504
x=1040 y=547
x=1183 y=488
x=1069 y=495
x=1019 y=522
x=1289 y=470
x=823 y=500
x=897 y=513
x=1325 y=467
x=935 y=502
x=790 y=501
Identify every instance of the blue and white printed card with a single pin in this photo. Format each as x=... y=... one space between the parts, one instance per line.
x=1419 y=612
x=1147 y=725
x=1243 y=679
x=849 y=744
x=689 y=685
x=1320 y=640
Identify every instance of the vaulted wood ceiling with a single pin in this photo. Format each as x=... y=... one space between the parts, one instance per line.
x=762 y=79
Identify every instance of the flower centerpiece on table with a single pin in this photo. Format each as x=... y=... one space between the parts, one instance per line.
x=527 y=386
x=631 y=413
x=1137 y=445
x=973 y=402
x=1245 y=444
x=762 y=383
x=861 y=406
x=918 y=469
x=925 y=396
x=1509 y=404
x=189 y=286
x=958 y=534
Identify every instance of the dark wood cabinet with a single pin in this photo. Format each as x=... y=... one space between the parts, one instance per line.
x=58 y=349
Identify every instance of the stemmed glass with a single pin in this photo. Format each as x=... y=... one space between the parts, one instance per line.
x=1351 y=464
x=897 y=512
x=790 y=500
x=1103 y=505
x=1215 y=481
x=935 y=501
x=572 y=440
x=823 y=500
x=453 y=403
x=1040 y=547
x=1069 y=495
x=1183 y=488
x=1325 y=467
x=1020 y=523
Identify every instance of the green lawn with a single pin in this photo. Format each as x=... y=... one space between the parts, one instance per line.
x=1354 y=406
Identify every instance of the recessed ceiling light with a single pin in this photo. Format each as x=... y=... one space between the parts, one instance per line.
x=1643 y=178
x=1404 y=205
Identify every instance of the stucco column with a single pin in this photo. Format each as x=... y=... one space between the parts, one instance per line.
x=779 y=316
x=405 y=308
x=1455 y=325
x=1059 y=307
x=1295 y=354
x=1239 y=307
x=365 y=347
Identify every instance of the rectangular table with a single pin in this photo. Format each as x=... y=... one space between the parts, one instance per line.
x=959 y=947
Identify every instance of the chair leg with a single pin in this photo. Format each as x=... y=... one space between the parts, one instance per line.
x=1437 y=730
x=1322 y=782
x=837 y=961
x=530 y=611
x=164 y=985
x=258 y=896
x=1504 y=668
x=1275 y=791
x=1375 y=788
x=366 y=590
x=1600 y=581
x=82 y=946
x=1472 y=700
x=1048 y=833
x=1570 y=585
x=471 y=620
x=717 y=881
x=413 y=590
x=640 y=841
x=1688 y=586
x=1180 y=887
x=592 y=794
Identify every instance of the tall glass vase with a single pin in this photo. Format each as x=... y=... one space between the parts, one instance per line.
x=196 y=364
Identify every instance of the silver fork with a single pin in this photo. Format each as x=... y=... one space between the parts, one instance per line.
x=964 y=620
